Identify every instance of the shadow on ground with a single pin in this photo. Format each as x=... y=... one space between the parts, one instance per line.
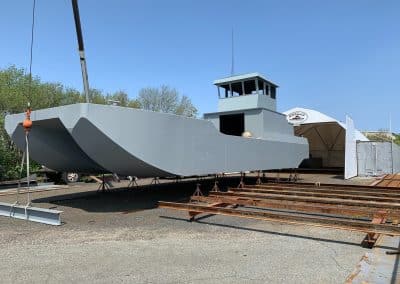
x=137 y=198
x=145 y=197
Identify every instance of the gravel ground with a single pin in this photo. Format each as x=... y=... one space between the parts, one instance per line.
x=122 y=237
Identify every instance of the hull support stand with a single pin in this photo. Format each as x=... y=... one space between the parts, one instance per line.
x=197 y=192
x=155 y=181
x=241 y=183
x=215 y=187
x=133 y=182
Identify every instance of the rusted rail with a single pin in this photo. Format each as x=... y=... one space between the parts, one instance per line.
x=303 y=207
x=375 y=211
x=328 y=222
x=363 y=189
x=356 y=191
x=371 y=238
x=365 y=197
x=389 y=181
x=332 y=201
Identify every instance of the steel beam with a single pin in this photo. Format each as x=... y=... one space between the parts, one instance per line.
x=34 y=214
x=369 y=204
x=319 y=194
x=330 y=185
x=327 y=222
x=193 y=214
x=359 y=212
x=371 y=238
x=371 y=191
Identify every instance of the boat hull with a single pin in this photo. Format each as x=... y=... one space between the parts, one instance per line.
x=98 y=138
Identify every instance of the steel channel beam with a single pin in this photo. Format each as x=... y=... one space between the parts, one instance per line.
x=333 y=223
x=362 y=212
x=35 y=214
x=393 y=212
x=373 y=192
x=332 y=185
x=316 y=194
x=369 y=204
x=336 y=191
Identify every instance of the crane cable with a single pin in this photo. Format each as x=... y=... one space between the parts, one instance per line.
x=31 y=53
x=27 y=123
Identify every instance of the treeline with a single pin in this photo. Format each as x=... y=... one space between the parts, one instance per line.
x=16 y=90
x=384 y=136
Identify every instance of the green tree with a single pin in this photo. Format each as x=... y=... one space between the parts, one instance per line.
x=17 y=89
x=120 y=96
x=134 y=104
x=397 y=139
x=96 y=97
x=166 y=99
x=186 y=108
x=10 y=156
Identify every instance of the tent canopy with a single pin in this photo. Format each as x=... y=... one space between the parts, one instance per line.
x=326 y=135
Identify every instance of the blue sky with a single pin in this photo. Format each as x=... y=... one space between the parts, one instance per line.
x=337 y=57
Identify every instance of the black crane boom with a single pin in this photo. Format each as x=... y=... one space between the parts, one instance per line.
x=75 y=8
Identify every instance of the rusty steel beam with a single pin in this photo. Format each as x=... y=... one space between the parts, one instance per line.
x=303 y=207
x=328 y=188
x=332 y=185
x=327 y=222
x=372 y=192
x=393 y=212
x=318 y=194
x=371 y=238
x=193 y=214
x=362 y=212
x=369 y=204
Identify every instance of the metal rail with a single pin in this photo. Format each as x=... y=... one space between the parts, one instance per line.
x=391 y=180
x=327 y=222
x=332 y=201
x=359 y=212
x=375 y=192
x=364 y=197
x=330 y=185
x=371 y=190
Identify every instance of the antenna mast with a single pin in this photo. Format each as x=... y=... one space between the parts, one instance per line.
x=233 y=57
x=75 y=8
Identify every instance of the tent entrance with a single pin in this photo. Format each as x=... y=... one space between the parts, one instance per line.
x=326 y=142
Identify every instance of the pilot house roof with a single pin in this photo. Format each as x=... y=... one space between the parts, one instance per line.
x=243 y=77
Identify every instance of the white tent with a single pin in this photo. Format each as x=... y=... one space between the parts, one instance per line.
x=326 y=136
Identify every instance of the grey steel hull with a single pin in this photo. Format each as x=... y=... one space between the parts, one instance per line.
x=98 y=138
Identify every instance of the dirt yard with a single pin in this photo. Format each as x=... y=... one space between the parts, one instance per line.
x=121 y=236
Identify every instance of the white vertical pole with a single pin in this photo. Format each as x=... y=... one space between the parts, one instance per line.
x=20 y=174
x=27 y=166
